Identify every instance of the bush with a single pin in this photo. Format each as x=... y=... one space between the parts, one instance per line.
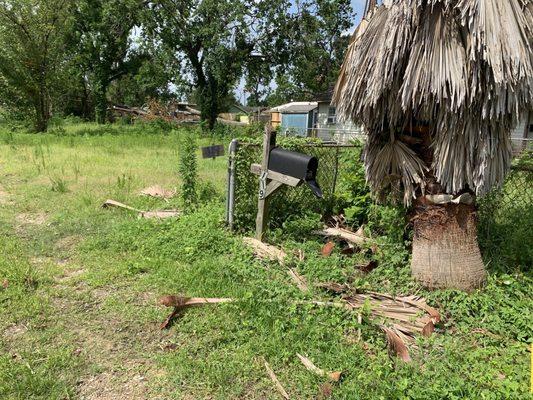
x=188 y=171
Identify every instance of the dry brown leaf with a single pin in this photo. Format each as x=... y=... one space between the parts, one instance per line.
x=5 y=284
x=428 y=330
x=325 y=391
x=368 y=267
x=327 y=249
x=334 y=287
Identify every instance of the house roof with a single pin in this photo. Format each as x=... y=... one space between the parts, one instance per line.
x=248 y=109
x=298 y=107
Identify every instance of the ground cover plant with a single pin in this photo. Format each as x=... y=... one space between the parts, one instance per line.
x=79 y=316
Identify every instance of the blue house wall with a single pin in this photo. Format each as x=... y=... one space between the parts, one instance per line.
x=296 y=124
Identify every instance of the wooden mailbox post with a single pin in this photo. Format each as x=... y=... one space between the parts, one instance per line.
x=269 y=182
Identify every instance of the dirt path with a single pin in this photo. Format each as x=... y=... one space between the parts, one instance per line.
x=118 y=353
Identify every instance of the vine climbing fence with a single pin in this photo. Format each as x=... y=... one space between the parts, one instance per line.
x=505 y=215
x=288 y=202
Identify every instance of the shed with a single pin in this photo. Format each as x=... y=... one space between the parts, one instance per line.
x=297 y=118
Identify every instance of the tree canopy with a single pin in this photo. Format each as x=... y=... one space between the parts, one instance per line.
x=77 y=57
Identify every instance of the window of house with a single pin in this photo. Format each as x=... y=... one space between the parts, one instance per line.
x=332 y=116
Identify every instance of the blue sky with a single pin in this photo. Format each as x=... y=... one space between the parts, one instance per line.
x=359 y=7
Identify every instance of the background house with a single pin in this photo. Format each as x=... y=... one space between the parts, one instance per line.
x=246 y=114
x=314 y=119
x=328 y=127
x=297 y=118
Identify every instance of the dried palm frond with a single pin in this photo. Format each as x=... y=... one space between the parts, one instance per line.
x=401 y=318
x=395 y=166
x=463 y=66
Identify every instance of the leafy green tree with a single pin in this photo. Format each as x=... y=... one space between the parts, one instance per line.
x=214 y=40
x=151 y=81
x=32 y=37
x=104 y=43
x=317 y=35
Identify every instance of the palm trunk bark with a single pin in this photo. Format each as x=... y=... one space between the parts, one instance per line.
x=446 y=253
x=445 y=249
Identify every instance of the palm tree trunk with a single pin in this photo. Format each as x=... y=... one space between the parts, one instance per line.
x=445 y=249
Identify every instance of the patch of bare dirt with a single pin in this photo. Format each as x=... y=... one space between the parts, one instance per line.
x=120 y=349
x=69 y=275
x=4 y=197
x=15 y=331
x=31 y=219
x=68 y=243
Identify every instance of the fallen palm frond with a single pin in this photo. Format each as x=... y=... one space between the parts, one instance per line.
x=275 y=380
x=340 y=233
x=269 y=252
x=179 y=303
x=334 y=376
x=142 y=214
x=463 y=67
x=401 y=317
x=265 y=251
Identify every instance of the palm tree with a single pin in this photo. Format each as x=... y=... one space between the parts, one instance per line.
x=438 y=85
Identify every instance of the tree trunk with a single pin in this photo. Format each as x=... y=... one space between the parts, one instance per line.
x=100 y=102
x=445 y=249
x=42 y=114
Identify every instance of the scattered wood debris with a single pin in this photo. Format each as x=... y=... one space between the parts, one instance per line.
x=112 y=203
x=327 y=249
x=158 y=191
x=265 y=251
x=298 y=279
x=357 y=238
x=334 y=376
x=401 y=317
x=179 y=303
x=159 y=214
x=142 y=214
x=276 y=381
x=334 y=287
x=269 y=252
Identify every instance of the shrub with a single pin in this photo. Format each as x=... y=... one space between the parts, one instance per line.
x=188 y=171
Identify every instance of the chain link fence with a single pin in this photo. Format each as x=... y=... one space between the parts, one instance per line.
x=505 y=215
x=288 y=202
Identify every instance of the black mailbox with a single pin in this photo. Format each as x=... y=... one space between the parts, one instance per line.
x=297 y=165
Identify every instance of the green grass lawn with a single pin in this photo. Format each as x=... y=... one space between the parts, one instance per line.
x=79 y=312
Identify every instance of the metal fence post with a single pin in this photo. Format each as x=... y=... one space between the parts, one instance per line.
x=230 y=199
